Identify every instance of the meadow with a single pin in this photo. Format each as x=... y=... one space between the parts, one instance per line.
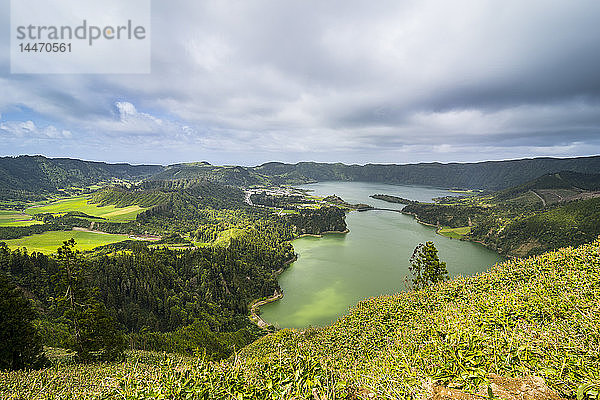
x=15 y=218
x=81 y=204
x=538 y=316
x=48 y=242
x=455 y=233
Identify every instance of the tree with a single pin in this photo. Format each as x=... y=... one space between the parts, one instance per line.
x=94 y=331
x=20 y=344
x=426 y=267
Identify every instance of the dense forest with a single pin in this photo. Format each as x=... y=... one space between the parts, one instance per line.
x=178 y=300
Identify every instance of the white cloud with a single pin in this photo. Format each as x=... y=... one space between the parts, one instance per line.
x=28 y=129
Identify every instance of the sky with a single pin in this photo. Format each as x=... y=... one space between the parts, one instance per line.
x=246 y=82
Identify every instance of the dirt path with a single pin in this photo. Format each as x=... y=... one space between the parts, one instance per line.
x=76 y=228
x=540 y=197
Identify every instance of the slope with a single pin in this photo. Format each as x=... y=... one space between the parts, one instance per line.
x=34 y=177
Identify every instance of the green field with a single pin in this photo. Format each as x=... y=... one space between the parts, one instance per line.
x=14 y=218
x=111 y=213
x=455 y=233
x=48 y=242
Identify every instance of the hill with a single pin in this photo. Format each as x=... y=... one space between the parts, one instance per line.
x=528 y=317
x=35 y=177
x=228 y=175
x=552 y=211
x=492 y=175
x=556 y=187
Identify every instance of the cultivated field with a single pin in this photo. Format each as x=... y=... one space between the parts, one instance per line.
x=111 y=213
x=15 y=218
x=48 y=242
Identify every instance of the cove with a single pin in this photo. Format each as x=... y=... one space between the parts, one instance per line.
x=335 y=272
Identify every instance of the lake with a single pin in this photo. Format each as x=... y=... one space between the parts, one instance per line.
x=335 y=272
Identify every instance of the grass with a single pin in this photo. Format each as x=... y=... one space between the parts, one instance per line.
x=538 y=316
x=81 y=203
x=14 y=218
x=48 y=242
x=455 y=233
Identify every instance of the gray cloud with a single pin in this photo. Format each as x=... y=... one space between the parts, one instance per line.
x=353 y=81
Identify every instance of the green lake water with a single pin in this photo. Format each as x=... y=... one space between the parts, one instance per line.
x=335 y=272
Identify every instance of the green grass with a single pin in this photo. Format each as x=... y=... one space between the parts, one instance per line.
x=81 y=203
x=14 y=218
x=455 y=233
x=48 y=242
x=538 y=316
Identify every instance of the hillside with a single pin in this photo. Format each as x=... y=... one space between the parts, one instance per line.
x=228 y=175
x=552 y=211
x=556 y=187
x=34 y=177
x=538 y=316
x=492 y=175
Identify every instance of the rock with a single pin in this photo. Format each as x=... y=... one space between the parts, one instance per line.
x=526 y=388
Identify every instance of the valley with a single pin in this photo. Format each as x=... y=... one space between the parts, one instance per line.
x=222 y=261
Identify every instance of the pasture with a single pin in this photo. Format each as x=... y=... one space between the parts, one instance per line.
x=81 y=203
x=15 y=218
x=48 y=242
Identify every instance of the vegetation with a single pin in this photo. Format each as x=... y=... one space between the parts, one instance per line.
x=188 y=292
x=324 y=219
x=393 y=199
x=491 y=175
x=48 y=242
x=537 y=316
x=94 y=334
x=547 y=213
x=36 y=177
x=85 y=206
x=426 y=267
x=20 y=344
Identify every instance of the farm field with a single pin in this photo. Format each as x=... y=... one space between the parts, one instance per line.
x=48 y=242
x=111 y=213
x=455 y=233
x=14 y=218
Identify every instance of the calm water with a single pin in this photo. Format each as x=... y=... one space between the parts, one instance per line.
x=335 y=272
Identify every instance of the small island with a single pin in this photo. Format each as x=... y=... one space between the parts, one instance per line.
x=393 y=199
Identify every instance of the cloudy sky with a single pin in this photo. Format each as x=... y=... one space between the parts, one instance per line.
x=249 y=81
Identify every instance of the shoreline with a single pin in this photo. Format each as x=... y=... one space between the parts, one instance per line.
x=320 y=235
x=254 y=306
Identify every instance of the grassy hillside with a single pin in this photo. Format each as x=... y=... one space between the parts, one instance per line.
x=34 y=177
x=48 y=242
x=552 y=211
x=538 y=316
x=84 y=204
x=228 y=175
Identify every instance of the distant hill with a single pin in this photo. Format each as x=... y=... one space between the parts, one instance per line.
x=557 y=187
x=491 y=175
x=228 y=175
x=546 y=213
x=32 y=177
